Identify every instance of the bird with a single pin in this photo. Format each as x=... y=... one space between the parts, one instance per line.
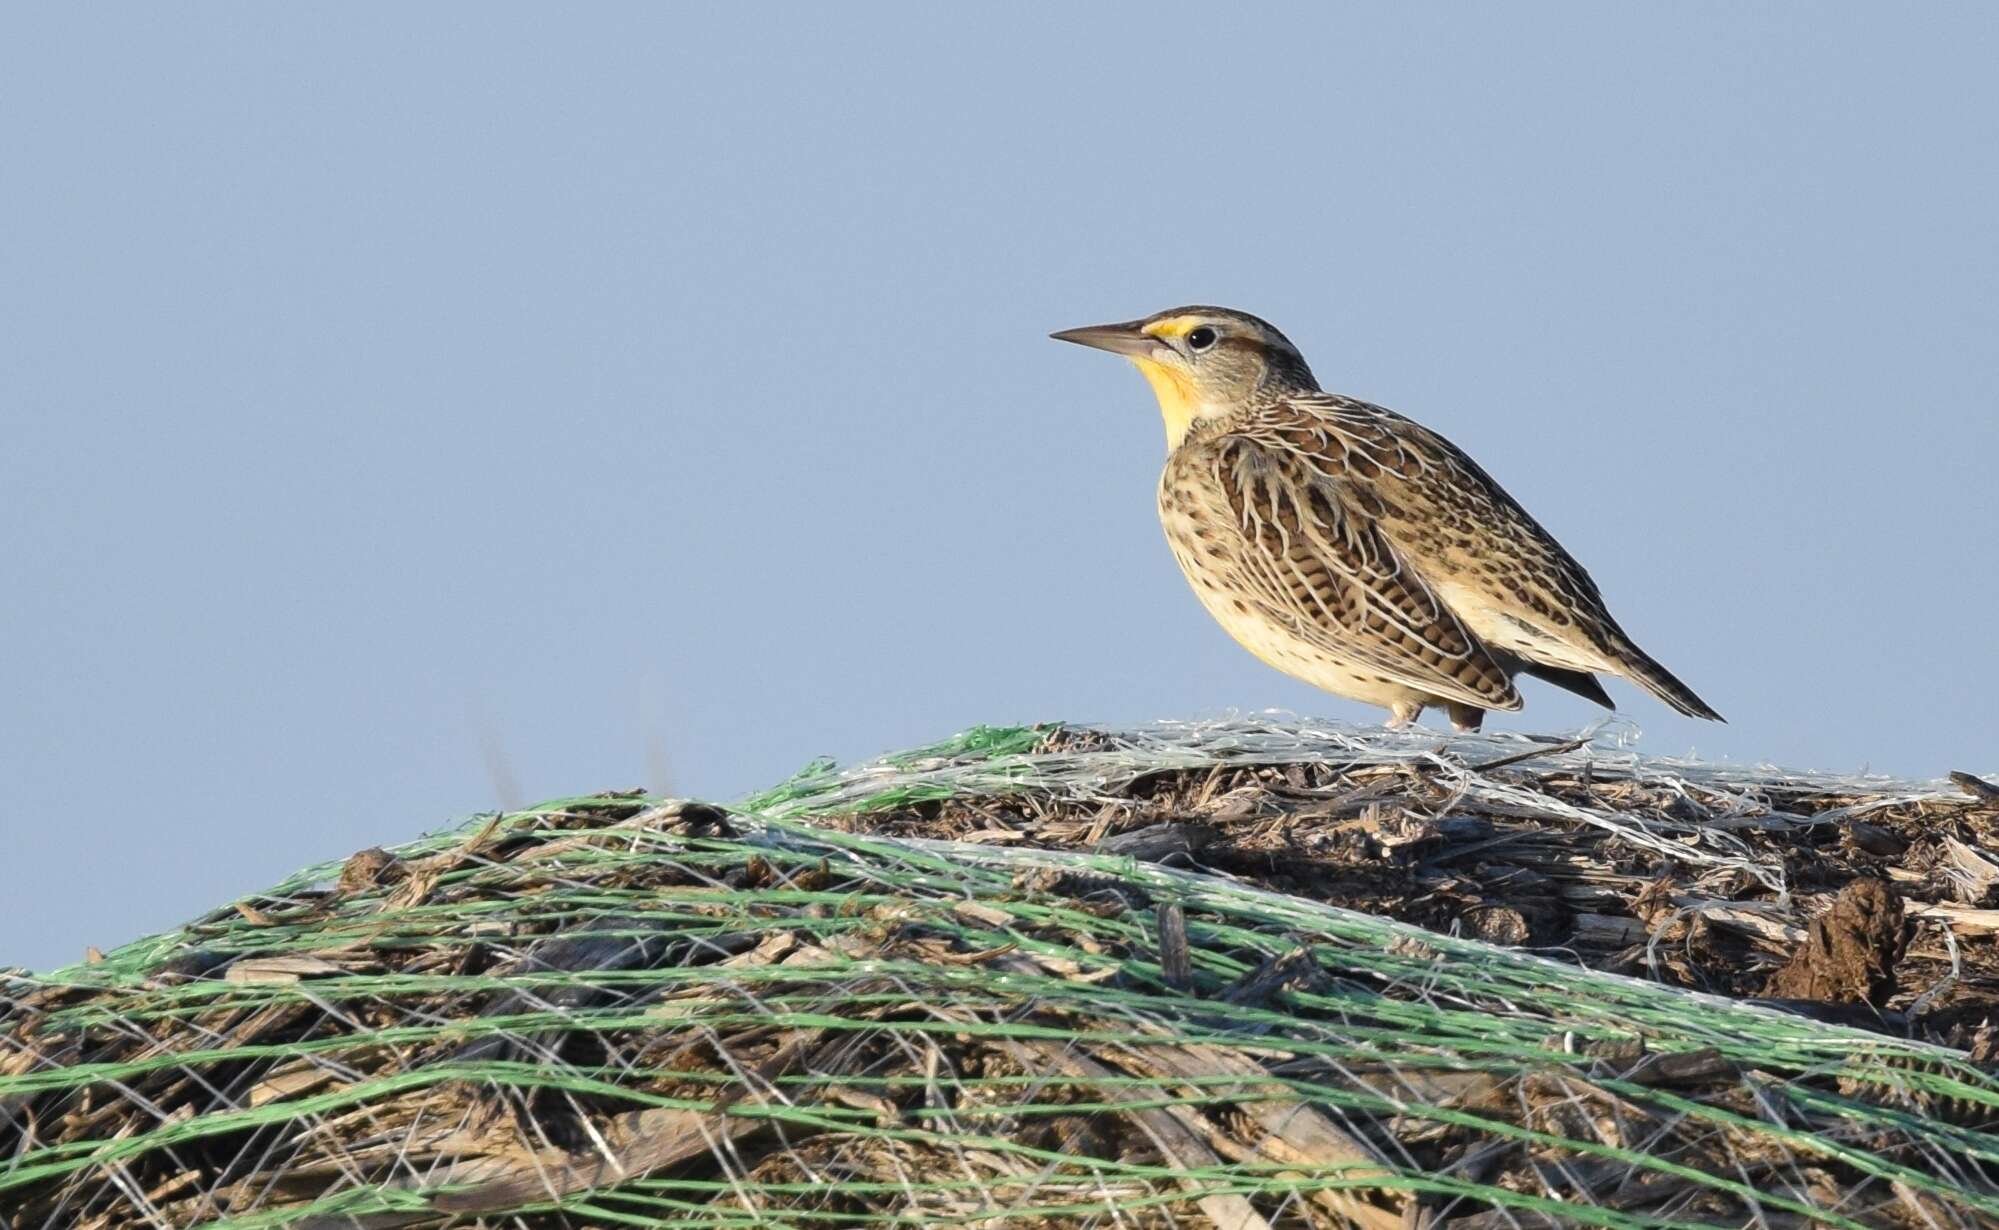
x=1356 y=549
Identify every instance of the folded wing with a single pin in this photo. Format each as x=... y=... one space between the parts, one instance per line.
x=1337 y=583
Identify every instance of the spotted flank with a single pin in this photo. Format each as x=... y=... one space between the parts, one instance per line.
x=1281 y=540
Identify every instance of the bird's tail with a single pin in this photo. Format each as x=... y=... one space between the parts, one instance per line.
x=1640 y=668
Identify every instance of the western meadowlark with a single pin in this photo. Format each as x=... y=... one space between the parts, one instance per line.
x=1354 y=549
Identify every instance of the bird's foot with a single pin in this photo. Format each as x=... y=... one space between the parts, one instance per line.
x=1465 y=719
x=1404 y=715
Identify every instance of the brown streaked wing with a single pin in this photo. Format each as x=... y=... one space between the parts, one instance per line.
x=1547 y=587
x=1339 y=583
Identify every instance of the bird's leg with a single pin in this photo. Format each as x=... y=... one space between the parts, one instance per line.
x=1404 y=713
x=1466 y=718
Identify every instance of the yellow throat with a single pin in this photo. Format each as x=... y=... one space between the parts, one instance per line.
x=1177 y=404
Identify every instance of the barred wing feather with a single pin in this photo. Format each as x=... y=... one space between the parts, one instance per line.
x=1338 y=583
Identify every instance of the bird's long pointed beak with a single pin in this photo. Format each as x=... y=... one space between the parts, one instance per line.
x=1124 y=339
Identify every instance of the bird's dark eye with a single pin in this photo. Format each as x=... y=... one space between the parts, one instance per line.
x=1200 y=338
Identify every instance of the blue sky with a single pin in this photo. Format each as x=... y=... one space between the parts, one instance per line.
x=409 y=411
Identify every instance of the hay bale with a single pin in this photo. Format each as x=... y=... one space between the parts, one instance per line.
x=946 y=989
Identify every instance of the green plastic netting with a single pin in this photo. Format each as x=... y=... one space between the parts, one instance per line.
x=620 y=1011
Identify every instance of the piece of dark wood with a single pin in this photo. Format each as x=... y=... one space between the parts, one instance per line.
x=1157 y=842
x=1976 y=787
x=1176 y=965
